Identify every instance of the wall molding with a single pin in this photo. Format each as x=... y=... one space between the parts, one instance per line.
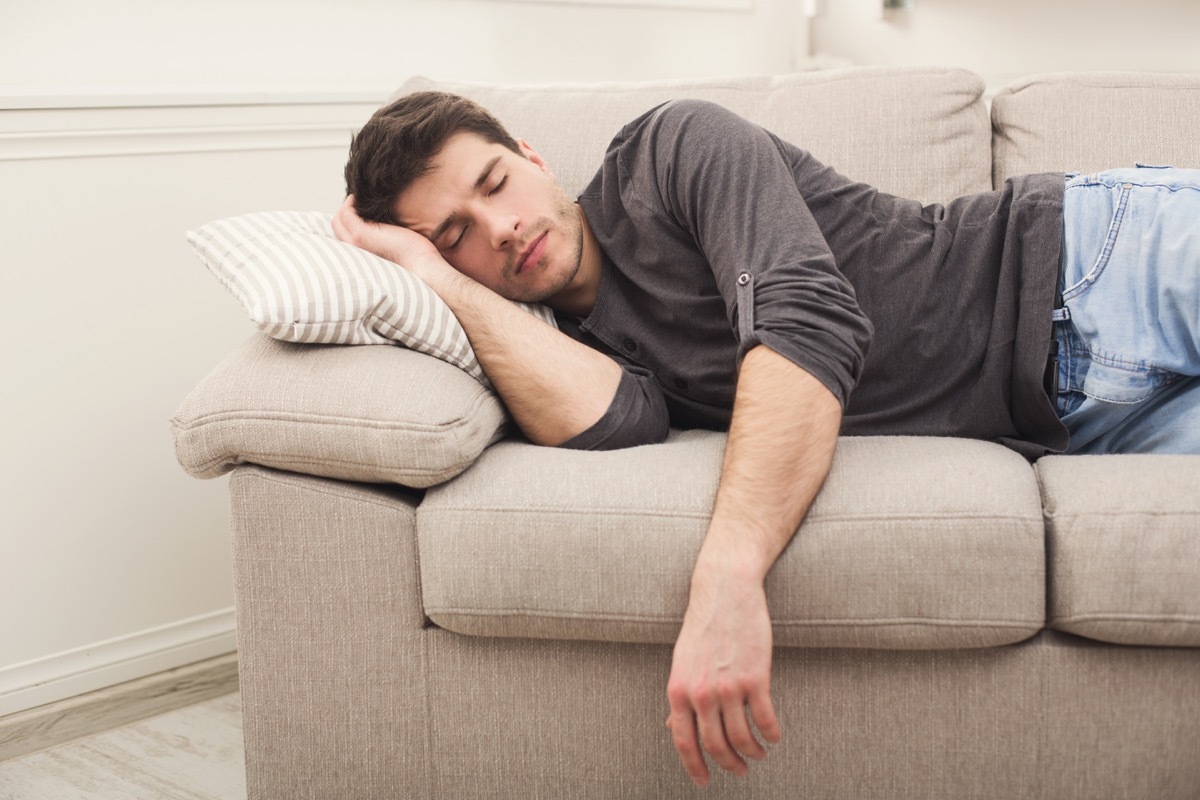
x=125 y=658
x=26 y=97
x=55 y=125
x=38 y=145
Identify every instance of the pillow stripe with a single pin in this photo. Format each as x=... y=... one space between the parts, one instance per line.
x=211 y=239
x=300 y=284
x=268 y=273
x=318 y=290
x=295 y=272
x=258 y=283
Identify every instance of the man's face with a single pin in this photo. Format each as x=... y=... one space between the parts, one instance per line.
x=497 y=217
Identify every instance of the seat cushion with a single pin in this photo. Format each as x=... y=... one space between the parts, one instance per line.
x=1124 y=547
x=1082 y=122
x=913 y=543
x=917 y=132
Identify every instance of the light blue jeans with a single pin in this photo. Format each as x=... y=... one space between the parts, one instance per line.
x=1130 y=350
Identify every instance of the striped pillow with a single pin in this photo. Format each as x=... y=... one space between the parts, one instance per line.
x=299 y=283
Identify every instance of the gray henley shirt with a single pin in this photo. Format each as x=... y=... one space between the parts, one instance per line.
x=718 y=236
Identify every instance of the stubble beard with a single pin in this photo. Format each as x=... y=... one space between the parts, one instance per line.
x=568 y=220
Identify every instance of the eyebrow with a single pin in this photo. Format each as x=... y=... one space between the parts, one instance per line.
x=480 y=181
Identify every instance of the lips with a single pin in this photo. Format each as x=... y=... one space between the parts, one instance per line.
x=532 y=253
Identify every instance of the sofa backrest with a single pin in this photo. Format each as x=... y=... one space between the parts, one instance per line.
x=1082 y=122
x=918 y=132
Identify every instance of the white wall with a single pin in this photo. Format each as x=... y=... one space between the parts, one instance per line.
x=382 y=41
x=1003 y=41
x=124 y=123
x=113 y=563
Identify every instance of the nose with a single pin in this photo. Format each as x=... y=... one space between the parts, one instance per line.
x=504 y=229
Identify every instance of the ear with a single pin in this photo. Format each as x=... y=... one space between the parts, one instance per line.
x=534 y=156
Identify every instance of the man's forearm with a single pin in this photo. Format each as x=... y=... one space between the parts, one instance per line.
x=780 y=447
x=554 y=387
x=781 y=444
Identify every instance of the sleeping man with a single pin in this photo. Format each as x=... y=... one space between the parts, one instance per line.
x=713 y=275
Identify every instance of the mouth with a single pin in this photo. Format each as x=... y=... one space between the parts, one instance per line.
x=532 y=254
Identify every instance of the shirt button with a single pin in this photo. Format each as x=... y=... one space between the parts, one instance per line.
x=630 y=345
x=680 y=383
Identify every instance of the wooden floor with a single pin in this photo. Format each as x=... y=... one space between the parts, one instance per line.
x=193 y=753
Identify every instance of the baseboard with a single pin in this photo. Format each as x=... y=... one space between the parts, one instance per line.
x=58 y=723
x=126 y=658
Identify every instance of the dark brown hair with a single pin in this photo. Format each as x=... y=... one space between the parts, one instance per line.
x=400 y=141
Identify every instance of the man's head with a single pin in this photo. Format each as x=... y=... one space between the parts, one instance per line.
x=399 y=143
x=444 y=167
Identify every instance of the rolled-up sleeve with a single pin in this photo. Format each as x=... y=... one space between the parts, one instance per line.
x=637 y=415
x=726 y=181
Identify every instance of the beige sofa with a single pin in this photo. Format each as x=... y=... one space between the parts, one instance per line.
x=429 y=607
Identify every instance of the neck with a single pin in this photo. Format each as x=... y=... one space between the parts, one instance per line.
x=579 y=296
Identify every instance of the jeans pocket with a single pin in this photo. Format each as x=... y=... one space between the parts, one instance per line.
x=1122 y=385
x=1110 y=239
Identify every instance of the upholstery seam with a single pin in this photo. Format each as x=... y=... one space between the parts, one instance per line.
x=951 y=516
x=253 y=459
x=217 y=417
x=351 y=494
x=1189 y=618
x=1089 y=515
x=566 y=615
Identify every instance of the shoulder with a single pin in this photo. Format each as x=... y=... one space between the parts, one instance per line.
x=684 y=116
x=689 y=130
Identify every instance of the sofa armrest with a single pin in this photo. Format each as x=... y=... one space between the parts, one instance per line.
x=374 y=414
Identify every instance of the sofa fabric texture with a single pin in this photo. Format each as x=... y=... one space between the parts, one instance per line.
x=374 y=413
x=918 y=543
x=348 y=691
x=856 y=120
x=1084 y=122
x=1120 y=572
x=430 y=607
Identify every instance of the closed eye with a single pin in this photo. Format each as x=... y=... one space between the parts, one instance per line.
x=463 y=233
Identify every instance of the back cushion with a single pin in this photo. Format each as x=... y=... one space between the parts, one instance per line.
x=1083 y=122
x=918 y=132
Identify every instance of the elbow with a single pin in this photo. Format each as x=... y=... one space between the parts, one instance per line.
x=637 y=416
x=618 y=437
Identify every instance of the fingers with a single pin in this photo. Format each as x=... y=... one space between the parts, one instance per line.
x=737 y=731
x=722 y=728
x=764 y=716
x=349 y=227
x=683 y=731
x=719 y=689
x=345 y=217
x=715 y=741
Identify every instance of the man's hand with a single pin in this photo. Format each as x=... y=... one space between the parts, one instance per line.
x=399 y=245
x=721 y=674
x=781 y=444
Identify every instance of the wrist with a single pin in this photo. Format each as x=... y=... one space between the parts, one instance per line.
x=726 y=561
x=719 y=586
x=438 y=275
